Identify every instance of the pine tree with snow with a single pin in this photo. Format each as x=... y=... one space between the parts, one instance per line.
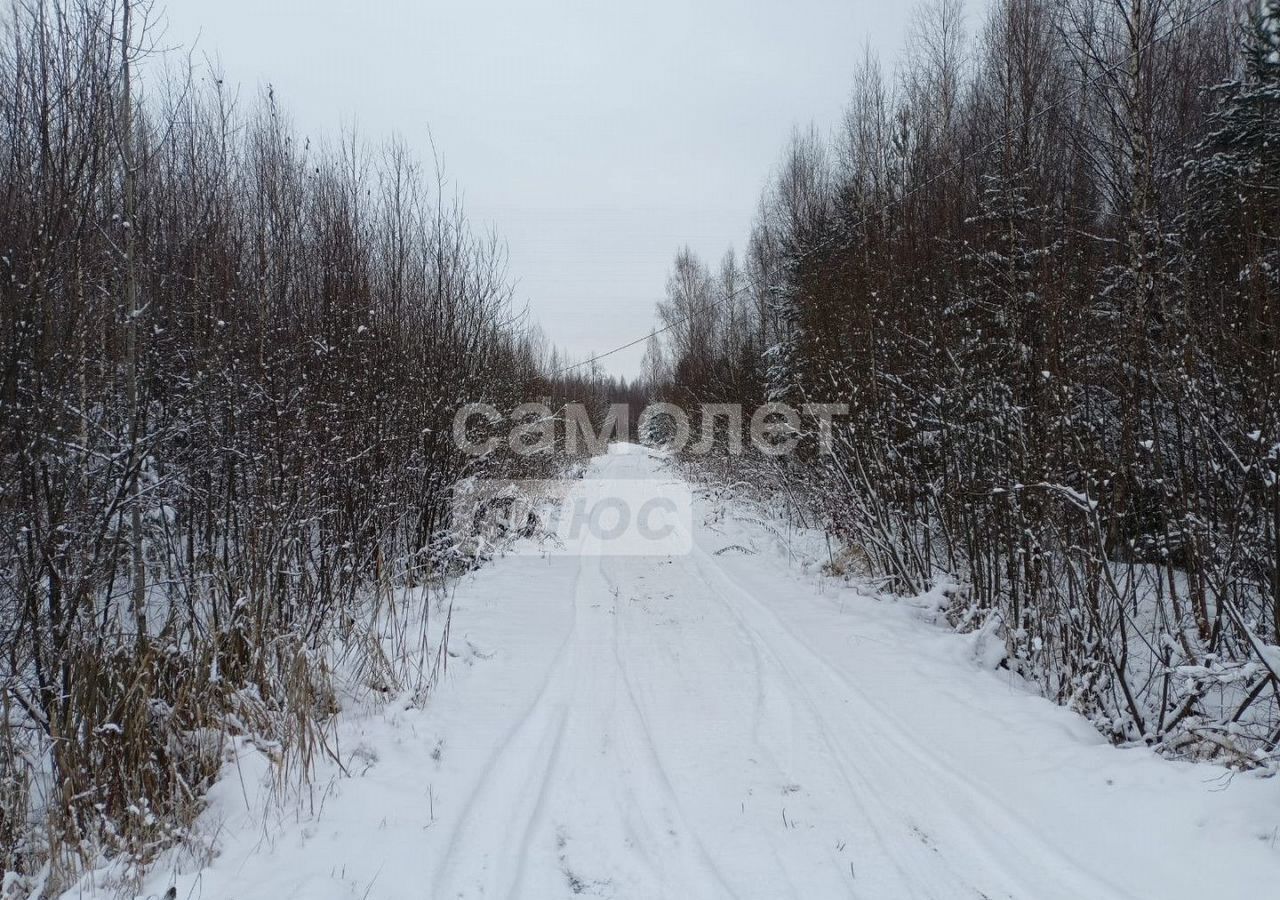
x=1236 y=174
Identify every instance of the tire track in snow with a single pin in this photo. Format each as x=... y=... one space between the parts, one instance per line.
x=894 y=745
x=531 y=789
x=471 y=864
x=682 y=863
x=654 y=762
x=892 y=837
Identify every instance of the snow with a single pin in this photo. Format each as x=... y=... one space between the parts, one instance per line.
x=726 y=722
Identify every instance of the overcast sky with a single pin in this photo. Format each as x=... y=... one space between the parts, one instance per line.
x=595 y=138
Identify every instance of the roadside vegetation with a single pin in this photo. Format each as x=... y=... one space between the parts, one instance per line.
x=1041 y=265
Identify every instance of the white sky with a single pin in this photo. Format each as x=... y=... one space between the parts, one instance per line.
x=596 y=138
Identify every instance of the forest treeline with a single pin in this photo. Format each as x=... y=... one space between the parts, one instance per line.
x=1041 y=264
x=230 y=360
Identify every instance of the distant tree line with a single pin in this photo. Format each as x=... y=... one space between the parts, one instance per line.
x=1042 y=266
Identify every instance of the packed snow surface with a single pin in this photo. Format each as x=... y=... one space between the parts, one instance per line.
x=727 y=723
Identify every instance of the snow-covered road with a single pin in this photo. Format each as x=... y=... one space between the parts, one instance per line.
x=727 y=724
